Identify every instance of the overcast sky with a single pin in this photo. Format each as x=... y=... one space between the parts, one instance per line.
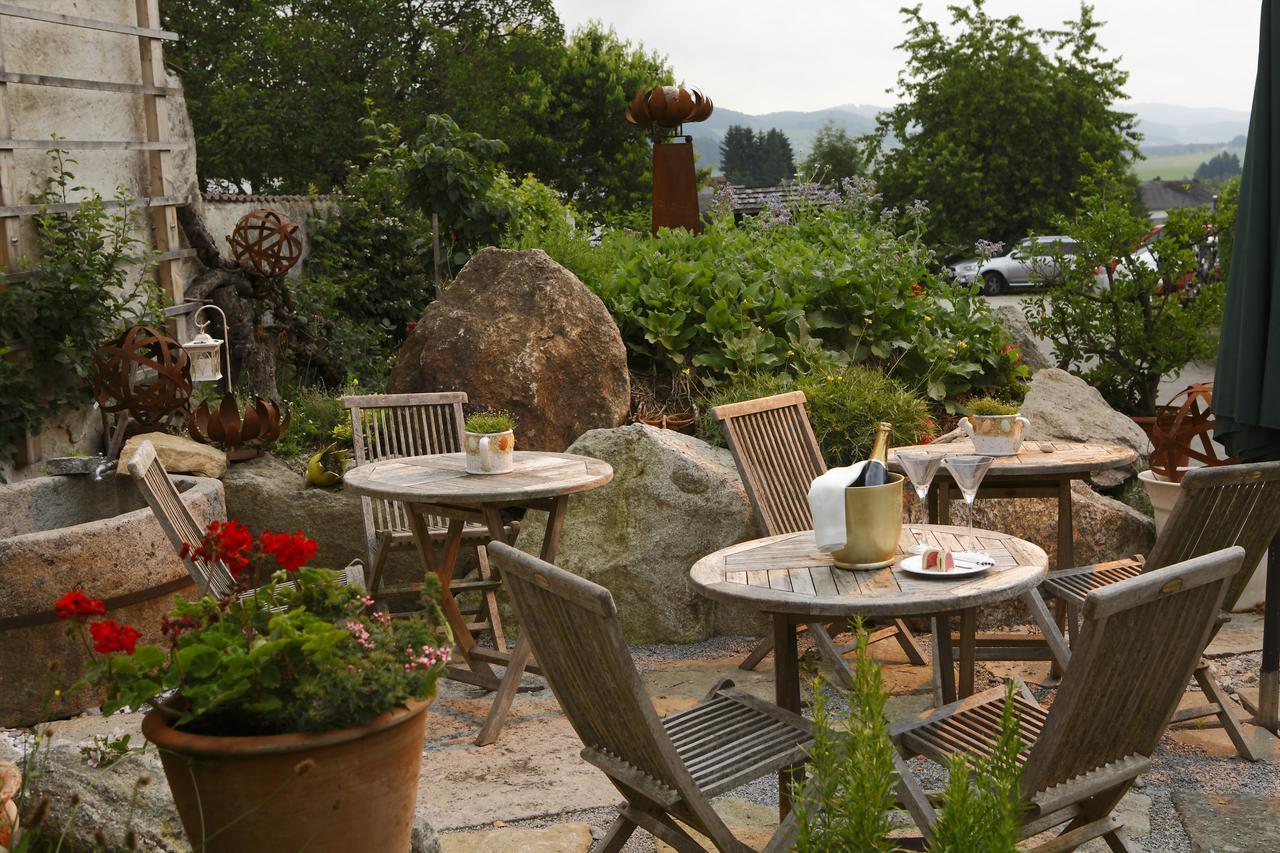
x=760 y=56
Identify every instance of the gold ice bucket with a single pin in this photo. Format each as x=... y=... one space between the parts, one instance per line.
x=873 y=523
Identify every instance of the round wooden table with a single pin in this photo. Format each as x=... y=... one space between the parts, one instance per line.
x=790 y=580
x=438 y=487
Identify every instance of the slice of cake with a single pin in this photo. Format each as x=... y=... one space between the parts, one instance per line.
x=937 y=560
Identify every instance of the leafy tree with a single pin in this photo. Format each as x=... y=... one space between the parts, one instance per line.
x=738 y=156
x=1218 y=168
x=996 y=125
x=777 y=162
x=835 y=156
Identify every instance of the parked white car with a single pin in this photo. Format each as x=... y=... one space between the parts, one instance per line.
x=1030 y=261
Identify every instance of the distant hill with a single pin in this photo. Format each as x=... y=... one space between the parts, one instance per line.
x=1161 y=125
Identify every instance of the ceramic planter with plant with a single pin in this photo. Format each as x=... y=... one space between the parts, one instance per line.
x=490 y=442
x=288 y=715
x=995 y=427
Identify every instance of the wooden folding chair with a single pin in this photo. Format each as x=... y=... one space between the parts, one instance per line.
x=778 y=458
x=386 y=426
x=211 y=576
x=1142 y=637
x=1217 y=508
x=665 y=768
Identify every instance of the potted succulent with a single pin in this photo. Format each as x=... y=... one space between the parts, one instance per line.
x=995 y=427
x=490 y=442
x=287 y=715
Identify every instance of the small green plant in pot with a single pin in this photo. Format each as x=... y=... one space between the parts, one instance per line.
x=490 y=442
x=274 y=706
x=994 y=426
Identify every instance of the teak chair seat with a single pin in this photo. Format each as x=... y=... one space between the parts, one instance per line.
x=1141 y=639
x=778 y=457
x=180 y=526
x=666 y=769
x=387 y=426
x=1217 y=508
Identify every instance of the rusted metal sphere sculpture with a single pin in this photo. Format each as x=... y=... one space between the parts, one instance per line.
x=263 y=422
x=145 y=373
x=668 y=107
x=267 y=242
x=1186 y=420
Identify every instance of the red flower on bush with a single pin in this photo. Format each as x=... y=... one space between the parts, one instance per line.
x=75 y=604
x=291 y=550
x=1015 y=355
x=228 y=541
x=109 y=636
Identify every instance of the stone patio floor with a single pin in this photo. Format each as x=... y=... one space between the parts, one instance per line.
x=531 y=792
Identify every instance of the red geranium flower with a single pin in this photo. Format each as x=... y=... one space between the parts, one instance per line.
x=111 y=637
x=291 y=550
x=229 y=542
x=76 y=604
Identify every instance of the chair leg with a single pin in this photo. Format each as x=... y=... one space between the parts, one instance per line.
x=379 y=560
x=759 y=653
x=660 y=826
x=1119 y=842
x=1214 y=693
x=909 y=644
x=616 y=836
x=490 y=605
x=831 y=653
x=1048 y=627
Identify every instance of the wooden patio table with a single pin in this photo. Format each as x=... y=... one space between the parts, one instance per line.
x=789 y=579
x=438 y=486
x=1043 y=469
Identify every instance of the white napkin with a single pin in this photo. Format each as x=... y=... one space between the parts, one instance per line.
x=826 y=502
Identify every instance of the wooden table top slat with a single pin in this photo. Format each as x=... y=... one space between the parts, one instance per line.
x=442 y=478
x=1067 y=457
x=788 y=574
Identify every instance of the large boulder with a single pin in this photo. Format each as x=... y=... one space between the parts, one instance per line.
x=177 y=454
x=1064 y=407
x=517 y=331
x=673 y=499
x=1029 y=346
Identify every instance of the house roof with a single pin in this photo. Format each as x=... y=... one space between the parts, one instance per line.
x=1170 y=195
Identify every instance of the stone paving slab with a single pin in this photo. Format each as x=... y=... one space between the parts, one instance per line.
x=1241 y=635
x=560 y=838
x=1229 y=823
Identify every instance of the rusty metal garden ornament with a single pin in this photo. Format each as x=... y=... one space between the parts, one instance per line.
x=266 y=242
x=241 y=435
x=1186 y=418
x=145 y=373
x=664 y=110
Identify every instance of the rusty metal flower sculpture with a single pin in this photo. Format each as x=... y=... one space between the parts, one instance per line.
x=267 y=242
x=667 y=107
x=262 y=423
x=145 y=373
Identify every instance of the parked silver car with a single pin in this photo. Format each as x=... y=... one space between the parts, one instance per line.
x=1030 y=261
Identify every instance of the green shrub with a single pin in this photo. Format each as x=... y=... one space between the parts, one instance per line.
x=844 y=407
x=490 y=422
x=315 y=419
x=989 y=406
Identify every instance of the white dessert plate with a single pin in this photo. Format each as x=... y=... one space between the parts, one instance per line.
x=966 y=564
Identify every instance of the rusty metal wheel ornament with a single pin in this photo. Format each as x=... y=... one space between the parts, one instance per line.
x=143 y=372
x=1185 y=420
x=267 y=242
x=241 y=435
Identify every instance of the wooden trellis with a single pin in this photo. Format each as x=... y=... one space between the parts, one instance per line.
x=157 y=197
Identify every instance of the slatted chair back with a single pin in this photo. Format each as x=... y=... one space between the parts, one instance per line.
x=176 y=520
x=573 y=629
x=1218 y=508
x=1142 y=639
x=388 y=426
x=777 y=456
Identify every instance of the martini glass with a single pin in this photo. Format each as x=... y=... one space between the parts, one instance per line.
x=920 y=467
x=968 y=472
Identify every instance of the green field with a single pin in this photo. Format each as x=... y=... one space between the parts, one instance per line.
x=1172 y=167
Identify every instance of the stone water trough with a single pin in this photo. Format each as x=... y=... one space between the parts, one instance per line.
x=57 y=533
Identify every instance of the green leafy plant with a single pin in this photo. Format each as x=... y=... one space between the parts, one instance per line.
x=89 y=282
x=300 y=653
x=844 y=406
x=490 y=422
x=1153 y=315
x=316 y=417
x=989 y=406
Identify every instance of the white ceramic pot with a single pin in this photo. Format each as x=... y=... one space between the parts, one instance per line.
x=1164 y=494
x=489 y=452
x=995 y=435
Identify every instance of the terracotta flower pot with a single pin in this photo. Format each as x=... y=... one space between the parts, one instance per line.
x=325 y=792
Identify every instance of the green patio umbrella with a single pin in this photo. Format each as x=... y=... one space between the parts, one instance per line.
x=1246 y=390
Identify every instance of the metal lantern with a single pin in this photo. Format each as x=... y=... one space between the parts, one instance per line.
x=206 y=351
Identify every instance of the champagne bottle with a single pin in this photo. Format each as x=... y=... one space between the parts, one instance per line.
x=876 y=471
